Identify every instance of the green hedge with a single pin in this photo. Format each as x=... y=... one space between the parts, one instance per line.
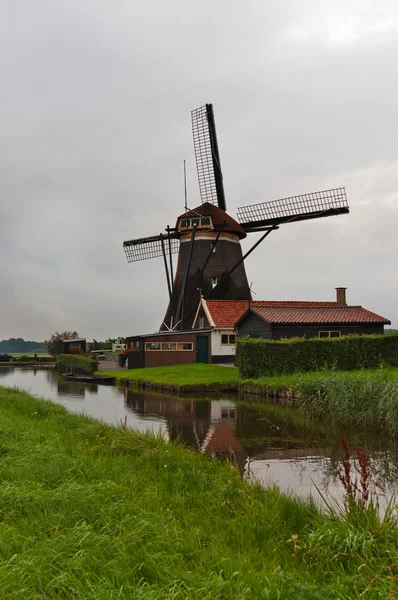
x=257 y=357
x=83 y=363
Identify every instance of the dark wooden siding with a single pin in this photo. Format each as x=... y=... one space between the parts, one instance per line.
x=252 y=324
x=72 y=343
x=219 y=359
x=310 y=331
x=206 y=323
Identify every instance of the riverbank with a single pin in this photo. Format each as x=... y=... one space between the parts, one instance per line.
x=367 y=398
x=28 y=364
x=93 y=511
x=180 y=379
x=191 y=377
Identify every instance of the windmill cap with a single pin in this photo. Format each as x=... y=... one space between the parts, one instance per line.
x=218 y=218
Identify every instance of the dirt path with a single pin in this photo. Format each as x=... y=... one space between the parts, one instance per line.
x=108 y=365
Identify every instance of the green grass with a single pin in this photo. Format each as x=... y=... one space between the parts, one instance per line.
x=199 y=373
x=91 y=511
x=194 y=374
x=295 y=379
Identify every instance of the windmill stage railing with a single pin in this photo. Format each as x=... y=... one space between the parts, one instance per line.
x=295 y=208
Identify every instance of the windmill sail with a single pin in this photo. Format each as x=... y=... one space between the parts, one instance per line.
x=150 y=247
x=207 y=156
x=295 y=208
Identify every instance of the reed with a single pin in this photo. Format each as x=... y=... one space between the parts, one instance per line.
x=363 y=399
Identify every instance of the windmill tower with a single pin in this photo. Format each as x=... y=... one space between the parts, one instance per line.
x=207 y=239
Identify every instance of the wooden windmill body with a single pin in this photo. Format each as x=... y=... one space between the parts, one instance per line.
x=210 y=259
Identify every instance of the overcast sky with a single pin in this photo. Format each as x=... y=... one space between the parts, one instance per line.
x=95 y=124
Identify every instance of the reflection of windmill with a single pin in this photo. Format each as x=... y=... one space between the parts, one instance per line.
x=207 y=239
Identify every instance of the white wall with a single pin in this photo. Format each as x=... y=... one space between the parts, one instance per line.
x=221 y=350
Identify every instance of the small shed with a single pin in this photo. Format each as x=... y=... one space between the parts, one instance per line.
x=73 y=346
x=168 y=348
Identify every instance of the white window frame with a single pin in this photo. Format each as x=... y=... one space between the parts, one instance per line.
x=178 y=347
x=324 y=337
x=229 y=343
x=152 y=344
x=200 y=219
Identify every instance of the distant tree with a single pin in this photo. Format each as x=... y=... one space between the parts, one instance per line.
x=106 y=345
x=53 y=343
x=19 y=345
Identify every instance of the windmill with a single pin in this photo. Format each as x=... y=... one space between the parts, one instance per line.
x=210 y=260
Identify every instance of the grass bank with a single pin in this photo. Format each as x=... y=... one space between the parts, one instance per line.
x=367 y=398
x=182 y=378
x=91 y=511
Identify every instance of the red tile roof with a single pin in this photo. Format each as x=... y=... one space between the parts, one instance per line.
x=225 y=313
x=316 y=314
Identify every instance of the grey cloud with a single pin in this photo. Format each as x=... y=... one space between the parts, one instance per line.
x=95 y=125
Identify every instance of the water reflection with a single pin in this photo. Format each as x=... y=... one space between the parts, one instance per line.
x=268 y=442
x=265 y=441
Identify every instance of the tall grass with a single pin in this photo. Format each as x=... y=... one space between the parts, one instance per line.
x=362 y=399
x=92 y=511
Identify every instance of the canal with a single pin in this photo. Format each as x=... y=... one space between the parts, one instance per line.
x=264 y=441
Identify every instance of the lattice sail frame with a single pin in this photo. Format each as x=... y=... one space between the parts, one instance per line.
x=204 y=155
x=295 y=207
x=150 y=247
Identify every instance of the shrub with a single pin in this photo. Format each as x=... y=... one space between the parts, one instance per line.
x=83 y=363
x=25 y=358
x=257 y=357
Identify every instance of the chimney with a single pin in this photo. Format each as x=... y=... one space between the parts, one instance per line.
x=341 y=296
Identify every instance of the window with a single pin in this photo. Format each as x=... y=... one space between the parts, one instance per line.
x=184 y=346
x=228 y=339
x=168 y=346
x=195 y=222
x=137 y=344
x=228 y=413
x=201 y=322
x=152 y=346
x=74 y=345
x=213 y=282
x=329 y=334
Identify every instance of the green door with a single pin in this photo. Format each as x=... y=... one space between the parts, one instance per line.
x=202 y=349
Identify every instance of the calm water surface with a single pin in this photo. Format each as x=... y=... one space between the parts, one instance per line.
x=266 y=441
